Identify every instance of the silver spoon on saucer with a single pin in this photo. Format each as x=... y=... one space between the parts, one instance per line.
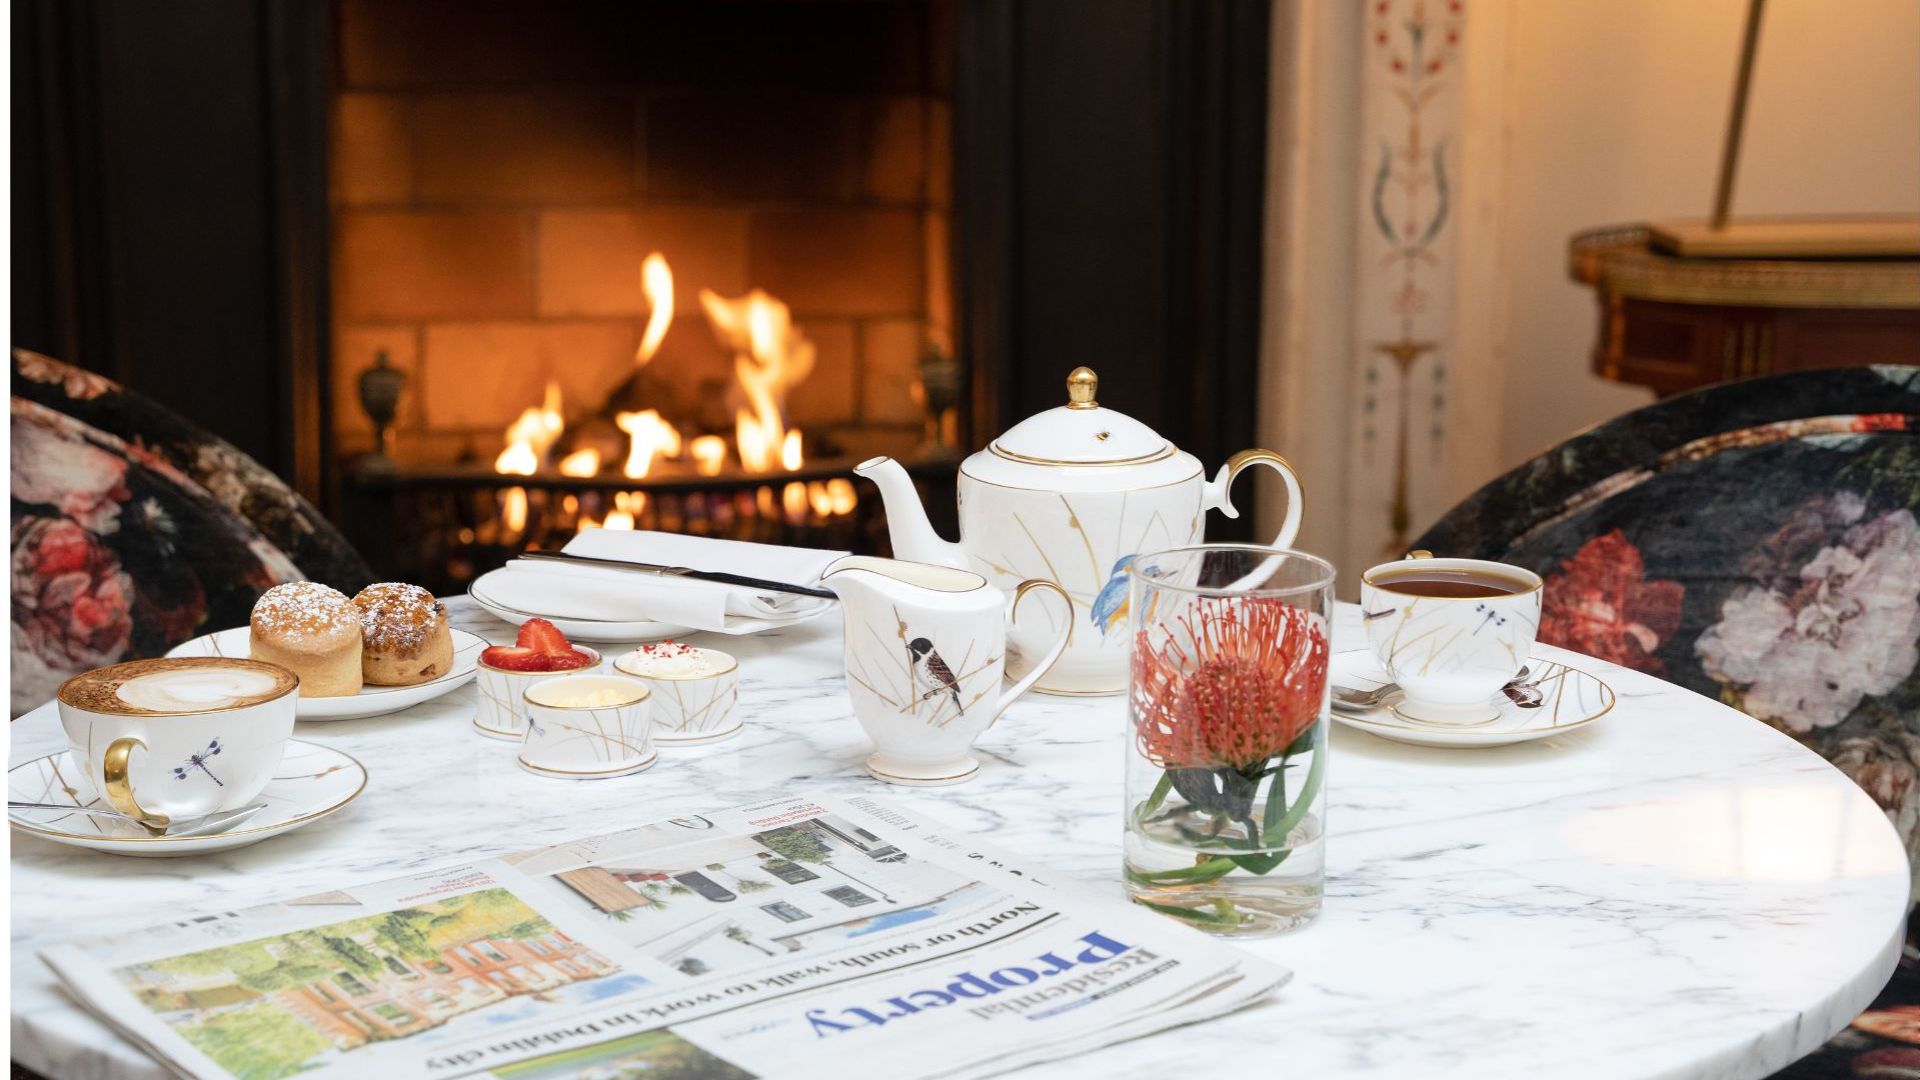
x=1353 y=700
x=201 y=826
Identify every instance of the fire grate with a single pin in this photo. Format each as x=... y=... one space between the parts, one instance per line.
x=442 y=528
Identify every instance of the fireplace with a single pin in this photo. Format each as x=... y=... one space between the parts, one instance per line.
x=654 y=265
x=954 y=201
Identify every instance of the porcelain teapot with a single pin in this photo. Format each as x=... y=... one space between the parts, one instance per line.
x=1071 y=495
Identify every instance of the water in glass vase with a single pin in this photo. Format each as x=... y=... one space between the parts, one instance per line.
x=1222 y=875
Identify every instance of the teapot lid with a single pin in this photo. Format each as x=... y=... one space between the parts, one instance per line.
x=1081 y=432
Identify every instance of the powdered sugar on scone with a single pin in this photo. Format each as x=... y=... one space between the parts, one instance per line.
x=304 y=609
x=398 y=618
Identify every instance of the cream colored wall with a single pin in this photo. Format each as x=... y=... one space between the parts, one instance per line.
x=1571 y=114
x=1615 y=114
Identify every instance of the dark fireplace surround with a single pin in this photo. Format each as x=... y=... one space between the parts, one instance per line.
x=173 y=224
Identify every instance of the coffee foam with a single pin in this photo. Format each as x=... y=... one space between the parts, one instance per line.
x=178 y=685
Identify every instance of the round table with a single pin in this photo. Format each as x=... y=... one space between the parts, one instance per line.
x=1675 y=890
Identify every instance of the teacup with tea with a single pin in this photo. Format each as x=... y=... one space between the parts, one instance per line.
x=180 y=737
x=1451 y=632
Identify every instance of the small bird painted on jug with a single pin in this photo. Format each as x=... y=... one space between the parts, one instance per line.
x=1110 y=607
x=930 y=673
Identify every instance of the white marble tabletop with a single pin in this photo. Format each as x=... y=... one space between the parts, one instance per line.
x=1674 y=891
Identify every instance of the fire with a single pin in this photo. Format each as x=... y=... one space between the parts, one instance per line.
x=650 y=437
x=656 y=282
x=770 y=356
x=529 y=437
x=709 y=454
x=840 y=492
x=582 y=462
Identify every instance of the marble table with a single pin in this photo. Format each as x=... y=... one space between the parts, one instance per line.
x=1673 y=891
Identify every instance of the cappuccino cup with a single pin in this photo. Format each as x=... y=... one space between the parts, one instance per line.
x=1451 y=632
x=179 y=737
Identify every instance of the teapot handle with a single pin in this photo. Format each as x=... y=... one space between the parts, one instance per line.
x=1219 y=491
x=1066 y=638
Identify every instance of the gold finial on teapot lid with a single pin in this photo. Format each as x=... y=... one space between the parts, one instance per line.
x=1080 y=387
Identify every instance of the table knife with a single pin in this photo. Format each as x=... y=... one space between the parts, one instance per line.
x=658 y=570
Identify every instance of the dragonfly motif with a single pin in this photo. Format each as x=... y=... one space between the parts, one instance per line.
x=199 y=761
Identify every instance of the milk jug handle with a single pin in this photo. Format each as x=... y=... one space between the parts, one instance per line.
x=1066 y=637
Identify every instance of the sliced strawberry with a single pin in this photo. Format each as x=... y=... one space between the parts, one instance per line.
x=516 y=658
x=510 y=657
x=542 y=636
x=567 y=661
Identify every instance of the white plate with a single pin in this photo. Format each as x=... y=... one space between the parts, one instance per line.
x=312 y=782
x=371 y=700
x=1571 y=699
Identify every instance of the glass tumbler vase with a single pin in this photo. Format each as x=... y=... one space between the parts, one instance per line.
x=1227 y=756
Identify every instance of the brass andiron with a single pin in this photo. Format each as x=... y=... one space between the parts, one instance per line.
x=380 y=387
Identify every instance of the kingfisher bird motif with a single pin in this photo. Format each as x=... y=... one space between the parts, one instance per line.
x=931 y=674
x=1110 y=607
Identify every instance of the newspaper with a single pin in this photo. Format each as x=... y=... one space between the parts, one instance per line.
x=786 y=938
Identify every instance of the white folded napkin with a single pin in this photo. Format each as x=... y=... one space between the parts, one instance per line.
x=565 y=591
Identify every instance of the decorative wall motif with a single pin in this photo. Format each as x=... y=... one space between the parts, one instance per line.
x=1404 y=288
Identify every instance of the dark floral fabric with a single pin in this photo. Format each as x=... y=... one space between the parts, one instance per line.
x=129 y=541
x=1758 y=542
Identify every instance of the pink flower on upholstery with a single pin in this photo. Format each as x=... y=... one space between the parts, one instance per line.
x=72 y=604
x=1601 y=604
x=56 y=467
x=1803 y=646
x=77 y=383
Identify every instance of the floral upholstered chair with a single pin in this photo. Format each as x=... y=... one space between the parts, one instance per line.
x=1757 y=542
x=134 y=531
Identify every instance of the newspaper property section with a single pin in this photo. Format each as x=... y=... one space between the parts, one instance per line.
x=778 y=939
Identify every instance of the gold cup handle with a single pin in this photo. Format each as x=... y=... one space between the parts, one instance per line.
x=1046 y=662
x=119 y=788
x=1219 y=490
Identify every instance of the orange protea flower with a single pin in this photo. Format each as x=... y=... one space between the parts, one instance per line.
x=1234 y=686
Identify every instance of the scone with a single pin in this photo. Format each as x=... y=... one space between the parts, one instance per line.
x=404 y=636
x=312 y=630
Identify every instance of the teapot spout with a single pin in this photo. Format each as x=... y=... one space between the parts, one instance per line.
x=907 y=525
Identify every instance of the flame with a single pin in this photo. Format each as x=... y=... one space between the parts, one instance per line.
x=709 y=454
x=656 y=281
x=582 y=462
x=840 y=491
x=790 y=458
x=529 y=437
x=627 y=506
x=819 y=498
x=793 y=498
x=650 y=437
x=513 y=508
x=770 y=356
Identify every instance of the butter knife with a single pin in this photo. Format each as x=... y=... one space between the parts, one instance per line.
x=658 y=570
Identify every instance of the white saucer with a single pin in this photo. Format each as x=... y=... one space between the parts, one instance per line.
x=1571 y=699
x=601 y=630
x=312 y=782
x=371 y=700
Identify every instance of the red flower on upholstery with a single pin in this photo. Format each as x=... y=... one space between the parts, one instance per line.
x=1601 y=604
x=72 y=603
x=1241 y=682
